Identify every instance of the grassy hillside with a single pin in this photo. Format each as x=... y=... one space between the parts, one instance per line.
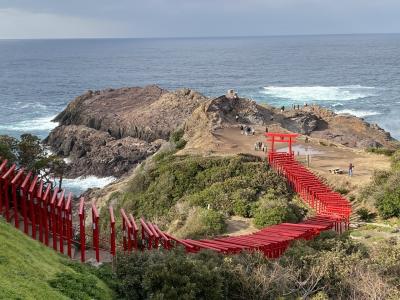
x=29 y=270
x=191 y=196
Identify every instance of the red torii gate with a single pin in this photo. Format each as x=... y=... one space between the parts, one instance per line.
x=274 y=137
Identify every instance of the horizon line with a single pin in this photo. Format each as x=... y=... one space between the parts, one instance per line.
x=204 y=37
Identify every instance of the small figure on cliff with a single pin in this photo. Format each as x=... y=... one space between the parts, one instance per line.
x=241 y=129
x=266 y=129
x=282 y=108
x=237 y=118
x=351 y=167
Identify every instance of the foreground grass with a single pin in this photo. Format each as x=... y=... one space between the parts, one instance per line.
x=29 y=270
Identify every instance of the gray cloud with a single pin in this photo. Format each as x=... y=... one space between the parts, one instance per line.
x=199 y=17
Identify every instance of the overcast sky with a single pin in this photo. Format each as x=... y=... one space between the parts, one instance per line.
x=194 y=18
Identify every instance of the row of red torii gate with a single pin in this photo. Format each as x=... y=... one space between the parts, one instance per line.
x=50 y=216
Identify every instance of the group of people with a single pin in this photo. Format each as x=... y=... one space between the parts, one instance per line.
x=247 y=130
x=260 y=146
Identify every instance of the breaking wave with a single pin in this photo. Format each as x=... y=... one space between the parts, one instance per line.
x=81 y=184
x=319 y=93
x=358 y=113
x=44 y=123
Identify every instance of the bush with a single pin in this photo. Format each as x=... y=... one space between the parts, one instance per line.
x=380 y=150
x=342 y=190
x=200 y=222
x=389 y=204
x=271 y=210
x=177 y=139
x=365 y=215
x=171 y=275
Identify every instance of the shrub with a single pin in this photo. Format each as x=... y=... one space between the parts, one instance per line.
x=380 y=150
x=365 y=214
x=177 y=139
x=342 y=190
x=329 y=267
x=170 y=275
x=200 y=222
x=389 y=204
x=271 y=210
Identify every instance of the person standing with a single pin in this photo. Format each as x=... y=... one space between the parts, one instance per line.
x=351 y=167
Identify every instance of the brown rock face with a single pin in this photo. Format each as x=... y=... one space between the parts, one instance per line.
x=147 y=113
x=311 y=120
x=97 y=153
x=105 y=133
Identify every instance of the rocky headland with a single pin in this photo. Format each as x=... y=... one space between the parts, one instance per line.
x=107 y=133
x=313 y=121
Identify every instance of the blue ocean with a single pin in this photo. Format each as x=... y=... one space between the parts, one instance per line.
x=356 y=74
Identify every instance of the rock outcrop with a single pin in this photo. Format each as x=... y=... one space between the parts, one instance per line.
x=107 y=132
x=313 y=121
x=97 y=153
x=148 y=113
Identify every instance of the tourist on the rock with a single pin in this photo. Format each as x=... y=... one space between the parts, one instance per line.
x=241 y=129
x=351 y=167
x=266 y=129
x=282 y=108
x=253 y=131
x=237 y=118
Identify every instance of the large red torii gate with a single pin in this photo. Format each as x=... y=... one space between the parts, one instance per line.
x=275 y=137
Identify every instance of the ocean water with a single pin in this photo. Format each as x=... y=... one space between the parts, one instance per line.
x=356 y=74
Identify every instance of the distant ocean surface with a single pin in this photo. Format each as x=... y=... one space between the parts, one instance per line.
x=356 y=74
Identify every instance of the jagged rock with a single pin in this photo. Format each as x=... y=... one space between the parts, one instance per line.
x=148 y=113
x=314 y=121
x=98 y=153
x=106 y=133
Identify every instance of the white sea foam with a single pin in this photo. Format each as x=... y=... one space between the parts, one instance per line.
x=318 y=93
x=43 y=123
x=81 y=184
x=358 y=113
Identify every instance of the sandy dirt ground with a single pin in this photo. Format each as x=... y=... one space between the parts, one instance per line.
x=323 y=156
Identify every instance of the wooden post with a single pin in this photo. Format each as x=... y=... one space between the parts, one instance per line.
x=82 y=228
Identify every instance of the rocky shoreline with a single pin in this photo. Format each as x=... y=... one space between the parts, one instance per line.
x=107 y=133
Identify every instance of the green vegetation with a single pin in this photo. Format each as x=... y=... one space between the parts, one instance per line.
x=380 y=150
x=30 y=153
x=29 y=270
x=365 y=214
x=271 y=210
x=384 y=190
x=331 y=267
x=193 y=195
x=177 y=139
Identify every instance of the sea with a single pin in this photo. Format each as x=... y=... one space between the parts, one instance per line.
x=354 y=74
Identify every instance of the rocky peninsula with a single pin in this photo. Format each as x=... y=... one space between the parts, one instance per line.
x=107 y=133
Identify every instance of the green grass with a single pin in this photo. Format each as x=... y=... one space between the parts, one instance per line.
x=28 y=268
x=171 y=190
